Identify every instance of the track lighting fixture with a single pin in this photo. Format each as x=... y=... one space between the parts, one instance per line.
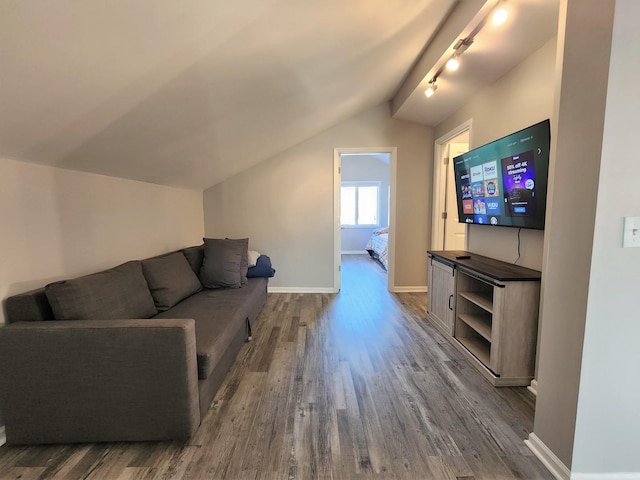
x=498 y=16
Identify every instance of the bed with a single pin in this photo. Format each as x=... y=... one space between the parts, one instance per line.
x=378 y=246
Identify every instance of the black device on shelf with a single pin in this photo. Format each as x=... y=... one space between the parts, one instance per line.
x=504 y=183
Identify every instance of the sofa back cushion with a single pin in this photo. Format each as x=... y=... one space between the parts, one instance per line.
x=170 y=279
x=31 y=306
x=194 y=256
x=117 y=293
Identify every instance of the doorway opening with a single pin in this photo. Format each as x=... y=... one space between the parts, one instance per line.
x=448 y=232
x=364 y=206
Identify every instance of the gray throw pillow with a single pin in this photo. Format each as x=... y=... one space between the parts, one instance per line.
x=244 y=265
x=221 y=263
x=118 y=293
x=194 y=256
x=170 y=279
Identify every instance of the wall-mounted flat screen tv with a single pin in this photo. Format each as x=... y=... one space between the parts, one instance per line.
x=504 y=182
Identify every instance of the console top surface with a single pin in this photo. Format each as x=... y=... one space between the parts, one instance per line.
x=490 y=267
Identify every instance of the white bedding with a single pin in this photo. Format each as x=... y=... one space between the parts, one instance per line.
x=379 y=244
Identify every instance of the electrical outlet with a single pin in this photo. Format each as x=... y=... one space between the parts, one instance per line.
x=631 y=236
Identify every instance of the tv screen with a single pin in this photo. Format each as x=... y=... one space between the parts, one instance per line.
x=504 y=182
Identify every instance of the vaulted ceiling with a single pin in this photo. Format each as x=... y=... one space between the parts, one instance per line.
x=190 y=92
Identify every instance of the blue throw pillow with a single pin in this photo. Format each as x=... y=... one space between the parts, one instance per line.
x=263 y=268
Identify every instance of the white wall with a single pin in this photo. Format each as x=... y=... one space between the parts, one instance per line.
x=522 y=97
x=285 y=204
x=363 y=168
x=607 y=435
x=59 y=224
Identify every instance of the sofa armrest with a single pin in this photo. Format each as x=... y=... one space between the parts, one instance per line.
x=92 y=381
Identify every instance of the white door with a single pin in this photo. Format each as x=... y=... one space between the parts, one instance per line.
x=454 y=232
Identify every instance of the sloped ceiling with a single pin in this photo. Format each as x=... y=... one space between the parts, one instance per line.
x=190 y=92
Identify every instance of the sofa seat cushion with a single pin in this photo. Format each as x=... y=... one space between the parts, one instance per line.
x=118 y=293
x=218 y=315
x=170 y=279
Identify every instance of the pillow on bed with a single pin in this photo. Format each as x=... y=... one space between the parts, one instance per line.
x=379 y=231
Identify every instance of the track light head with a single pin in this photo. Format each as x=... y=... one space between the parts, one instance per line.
x=453 y=63
x=431 y=89
x=499 y=16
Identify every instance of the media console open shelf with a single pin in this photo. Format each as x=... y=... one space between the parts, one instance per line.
x=488 y=309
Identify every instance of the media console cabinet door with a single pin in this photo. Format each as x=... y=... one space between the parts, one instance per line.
x=441 y=296
x=516 y=329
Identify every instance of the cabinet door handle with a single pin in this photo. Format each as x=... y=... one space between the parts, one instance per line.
x=450 y=298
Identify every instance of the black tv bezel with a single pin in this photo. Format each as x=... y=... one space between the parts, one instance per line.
x=535 y=223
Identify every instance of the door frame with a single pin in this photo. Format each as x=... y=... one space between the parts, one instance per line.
x=337 y=178
x=439 y=184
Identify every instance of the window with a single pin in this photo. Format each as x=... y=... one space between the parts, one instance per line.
x=360 y=204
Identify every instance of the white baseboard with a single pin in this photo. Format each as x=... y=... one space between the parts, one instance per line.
x=417 y=289
x=301 y=290
x=533 y=388
x=354 y=252
x=548 y=458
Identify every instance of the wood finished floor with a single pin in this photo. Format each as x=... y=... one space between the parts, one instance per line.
x=348 y=386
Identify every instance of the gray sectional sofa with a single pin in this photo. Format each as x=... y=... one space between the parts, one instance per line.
x=133 y=353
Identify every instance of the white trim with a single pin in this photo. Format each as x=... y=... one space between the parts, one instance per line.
x=547 y=457
x=391 y=257
x=337 y=235
x=438 y=223
x=416 y=289
x=355 y=252
x=533 y=388
x=393 y=153
x=605 y=476
x=3 y=436
x=300 y=290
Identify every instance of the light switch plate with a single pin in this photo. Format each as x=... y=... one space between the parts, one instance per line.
x=631 y=236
